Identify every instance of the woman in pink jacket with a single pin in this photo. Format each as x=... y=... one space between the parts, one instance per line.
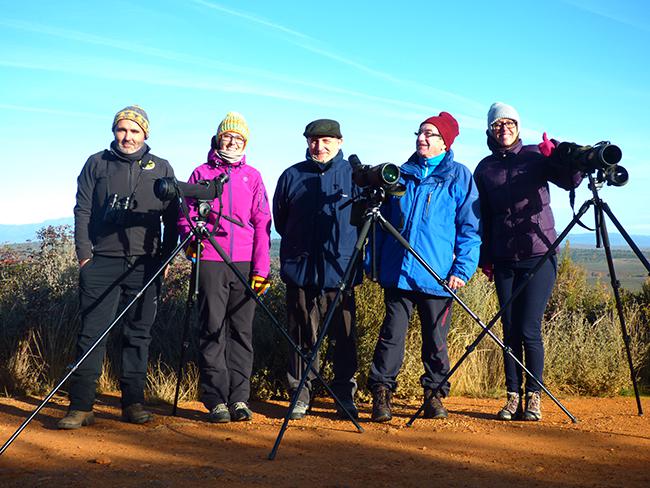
x=226 y=309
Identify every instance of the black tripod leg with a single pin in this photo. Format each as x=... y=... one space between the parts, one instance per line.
x=617 y=296
x=389 y=228
x=192 y=293
x=74 y=367
x=347 y=277
x=282 y=330
x=626 y=236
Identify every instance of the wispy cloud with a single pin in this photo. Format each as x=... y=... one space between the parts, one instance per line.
x=634 y=14
x=66 y=113
x=157 y=76
x=252 y=18
x=313 y=45
x=258 y=79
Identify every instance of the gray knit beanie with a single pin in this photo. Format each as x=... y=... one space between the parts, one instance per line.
x=500 y=110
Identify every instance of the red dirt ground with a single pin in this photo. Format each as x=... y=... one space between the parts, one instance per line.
x=610 y=446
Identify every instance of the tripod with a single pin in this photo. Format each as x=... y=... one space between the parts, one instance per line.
x=101 y=337
x=375 y=215
x=600 y=208
x=200 y=232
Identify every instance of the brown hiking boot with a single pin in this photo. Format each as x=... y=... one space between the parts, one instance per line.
x=75 y=419
x=433 y=407
x=533 y=406
x=136 y=414
x=381 y=404
x=512 y=410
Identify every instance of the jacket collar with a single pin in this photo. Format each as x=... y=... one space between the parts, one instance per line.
x=320 y=167
x=503 y=151
x=129 y=158
x=413 y=167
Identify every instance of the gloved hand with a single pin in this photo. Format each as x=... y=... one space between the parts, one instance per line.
x=488 y=271
x=546 y=147
x=260 y=285
x=190 y=251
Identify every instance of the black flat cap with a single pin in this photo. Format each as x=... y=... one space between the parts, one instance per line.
x=323 y=128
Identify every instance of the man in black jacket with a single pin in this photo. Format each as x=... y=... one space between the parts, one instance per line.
x=118 y=244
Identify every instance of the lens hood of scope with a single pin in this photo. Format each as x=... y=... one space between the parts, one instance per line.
x=389 y=173
x=609 y=154
x=165 y=188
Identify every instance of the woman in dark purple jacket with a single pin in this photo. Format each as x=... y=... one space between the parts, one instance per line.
x=518 y=229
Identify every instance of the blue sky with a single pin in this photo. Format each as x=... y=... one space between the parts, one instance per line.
x=576 y=69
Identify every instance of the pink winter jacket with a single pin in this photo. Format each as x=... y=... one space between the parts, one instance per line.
x=244 y=199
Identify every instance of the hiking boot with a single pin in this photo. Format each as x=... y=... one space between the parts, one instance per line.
x=381 y=404
x=433 y=407
x=533 y=409
x=349 y=405
x=219 y=414
x=136 y=414
x=299 y=411
x=75 y=419
x=512 y=410
x=240 y=412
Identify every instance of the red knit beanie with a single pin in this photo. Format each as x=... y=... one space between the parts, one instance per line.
x=447 y=126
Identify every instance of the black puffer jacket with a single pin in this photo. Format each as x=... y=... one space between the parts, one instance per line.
x=137 y=231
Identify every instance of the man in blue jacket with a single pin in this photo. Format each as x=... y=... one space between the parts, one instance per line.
x=439 y=216
x=311 y=212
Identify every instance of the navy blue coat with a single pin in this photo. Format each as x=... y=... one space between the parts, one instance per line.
x=311 y=211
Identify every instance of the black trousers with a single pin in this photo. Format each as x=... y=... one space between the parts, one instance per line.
x=306 y=310
x=106 y=285
x=226 y=312
x=435 y=318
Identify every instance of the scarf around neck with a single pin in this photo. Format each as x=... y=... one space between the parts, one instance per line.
x=136 y=156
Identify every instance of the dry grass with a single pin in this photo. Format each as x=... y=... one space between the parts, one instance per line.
x=584 y=347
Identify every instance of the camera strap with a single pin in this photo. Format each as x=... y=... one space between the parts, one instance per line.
x=572 y=201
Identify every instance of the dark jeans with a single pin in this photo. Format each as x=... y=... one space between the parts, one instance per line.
x=522 y=320
x=306 y=309
x=106 y=285
x=226 y=339
x=435 y=318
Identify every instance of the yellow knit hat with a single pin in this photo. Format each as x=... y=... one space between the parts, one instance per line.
x=136 y=114
x=234 y=122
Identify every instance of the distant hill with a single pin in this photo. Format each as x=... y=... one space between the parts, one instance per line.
x=13 y=234
x=16 y=234
x=615 y=240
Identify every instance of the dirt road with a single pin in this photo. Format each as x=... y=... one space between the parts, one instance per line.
x=610 y=446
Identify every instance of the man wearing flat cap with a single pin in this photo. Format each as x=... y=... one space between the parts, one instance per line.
x=438 y=214
x=119 y=248
x=311 y=212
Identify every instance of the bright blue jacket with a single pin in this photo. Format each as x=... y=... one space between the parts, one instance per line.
x=311 y=212
x=439 y=217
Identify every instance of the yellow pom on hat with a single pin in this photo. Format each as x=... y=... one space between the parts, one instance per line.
x=234 y=122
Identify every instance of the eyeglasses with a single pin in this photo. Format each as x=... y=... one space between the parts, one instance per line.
x=233 y=137
x=427 y=133
x=500 y=124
